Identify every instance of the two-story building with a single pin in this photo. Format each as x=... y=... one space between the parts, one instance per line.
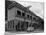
x=19 y=17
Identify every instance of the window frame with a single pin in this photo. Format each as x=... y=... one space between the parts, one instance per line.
x=18 y=12
x=28 y=16
x=23 y=13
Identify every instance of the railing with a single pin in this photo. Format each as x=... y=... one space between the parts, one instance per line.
x=23 y=17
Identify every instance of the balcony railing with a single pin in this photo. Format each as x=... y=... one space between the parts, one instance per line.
x=24 y=17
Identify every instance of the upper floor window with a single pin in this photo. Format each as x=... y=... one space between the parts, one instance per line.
x=23 y=14
x=18 y=12
x=34 y=18
x=30 y=17
x=27 y=16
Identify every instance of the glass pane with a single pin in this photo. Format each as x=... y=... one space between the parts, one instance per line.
x=27 y=16
x=23 y=14
x=18 y=12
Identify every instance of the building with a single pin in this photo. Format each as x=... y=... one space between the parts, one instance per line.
x=19 y=18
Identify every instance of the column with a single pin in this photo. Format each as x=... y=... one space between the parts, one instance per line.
x=20 y=25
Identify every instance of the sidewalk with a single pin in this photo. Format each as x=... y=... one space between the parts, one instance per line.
x=14 y=33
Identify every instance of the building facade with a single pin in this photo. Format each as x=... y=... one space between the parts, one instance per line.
x=20 y=18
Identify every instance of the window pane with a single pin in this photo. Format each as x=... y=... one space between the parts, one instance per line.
x=23 y=14
x=27 y=16
x=18 y=13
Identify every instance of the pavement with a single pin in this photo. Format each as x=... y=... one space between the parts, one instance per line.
x=14 y=33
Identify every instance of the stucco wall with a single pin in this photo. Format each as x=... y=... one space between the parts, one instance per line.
x=12 y=13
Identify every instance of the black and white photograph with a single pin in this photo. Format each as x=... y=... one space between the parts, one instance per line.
x=22 y=17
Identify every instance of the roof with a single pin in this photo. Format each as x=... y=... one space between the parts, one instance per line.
x=11 y=4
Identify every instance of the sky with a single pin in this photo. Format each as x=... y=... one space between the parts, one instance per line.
x=36 y=6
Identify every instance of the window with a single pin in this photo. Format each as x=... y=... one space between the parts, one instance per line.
x=23 y=14
x=18 y=12
x=30 y=17
x=27 y=16
x=34 y=18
